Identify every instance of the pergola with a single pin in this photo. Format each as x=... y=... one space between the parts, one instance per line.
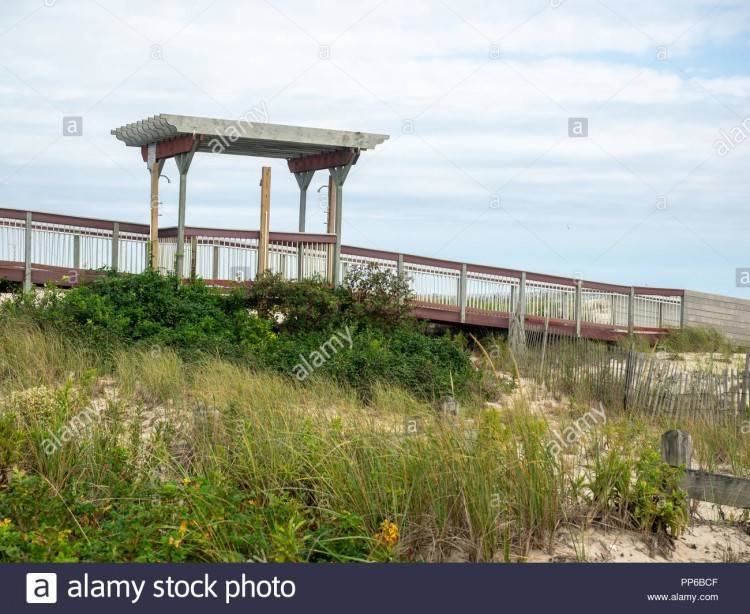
x=306 y=150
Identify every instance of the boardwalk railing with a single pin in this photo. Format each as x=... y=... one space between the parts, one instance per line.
x=41 y=247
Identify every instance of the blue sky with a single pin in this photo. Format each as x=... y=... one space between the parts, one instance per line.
x=488 y=87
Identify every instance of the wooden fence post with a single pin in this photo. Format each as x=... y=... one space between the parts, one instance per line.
x=745 y=384
x=677 y=448
x=522 y=300
x=462 y=280
x=544 y=347
x=265 y=215
x=578 y=306
x=76 y=251
x=193 y=257
x=631 y=311
x=115 y=246
x=27 y=254
x=215 y=263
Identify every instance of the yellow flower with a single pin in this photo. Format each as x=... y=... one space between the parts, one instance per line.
x=183 y=527
x=5 y=522
x=174 y=542
x=186 y=481
x=252 y=502
x=388 y=534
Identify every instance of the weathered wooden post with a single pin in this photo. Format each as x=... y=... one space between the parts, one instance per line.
x=745 y=384
x=265 y=218
x=303 y=181
x=27 y=254
x=544 y=346
x=155 y=168
x=331 y=228
x=215 y=262
x=677 y=448
x=462 y=282
x=522 y=300
x=115 y=246
x=76 y=252
x=631 y=311
x=193 y=257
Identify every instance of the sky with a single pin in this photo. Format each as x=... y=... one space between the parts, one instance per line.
x=477 y=98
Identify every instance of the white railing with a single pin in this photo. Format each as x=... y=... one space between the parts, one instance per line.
x=78 y=244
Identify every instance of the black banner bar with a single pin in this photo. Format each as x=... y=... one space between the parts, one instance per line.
x=331 y=588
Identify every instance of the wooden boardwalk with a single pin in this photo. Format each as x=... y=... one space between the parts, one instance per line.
x=39 y=248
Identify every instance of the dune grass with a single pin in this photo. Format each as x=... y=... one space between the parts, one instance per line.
x=213 y=460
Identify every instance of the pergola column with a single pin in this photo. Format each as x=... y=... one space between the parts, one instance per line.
x=303 y=181
x=338 y=174
x=183 y=162
x=155 y=168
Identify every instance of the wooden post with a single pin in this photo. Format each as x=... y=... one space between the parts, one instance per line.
x=578 y=306
x=193 y=257
x=183 y=162
x=331 y=227
x=27 y=254
x=522 y=300
x=677 y=448
x=339 y=175
x=115 y=246
x=215 y=263
x=303 y=181
x=265 y=218
x=631 y=311
x=76 y=251
x=544 y=346
x=154 y=237
x=745 y=383
x=462 y=283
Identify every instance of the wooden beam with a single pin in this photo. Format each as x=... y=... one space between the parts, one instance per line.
x=172 y=147
x=265 y=218
x=321 y=161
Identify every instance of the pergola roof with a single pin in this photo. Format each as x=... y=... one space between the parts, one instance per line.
x=243 y=137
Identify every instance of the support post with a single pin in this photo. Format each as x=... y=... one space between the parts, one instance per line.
x=682 y=311
x=339 y=174
x=76 y=251
x=265 y=217
x=660 y=321
x=578 y=306
x=27 y=254
x=745 y=384
x=631 y=311
x=183 y=162
x=155 y=169
x=115 y=246
x=331 y=227
x=303 y=181
x=400 y=266
x=521 y=307
x=193 y=258
x=677 y=448
x=462 y=281
x=215 y=263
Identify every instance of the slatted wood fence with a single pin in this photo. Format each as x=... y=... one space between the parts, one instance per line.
x=626 y=379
